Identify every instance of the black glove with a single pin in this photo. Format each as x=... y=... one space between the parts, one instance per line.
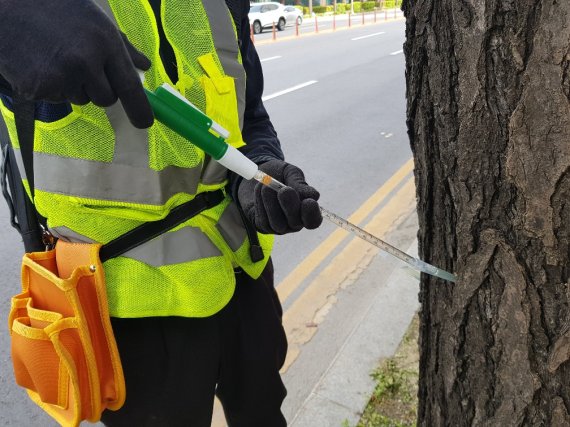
x=70 y=51
x=285 y=211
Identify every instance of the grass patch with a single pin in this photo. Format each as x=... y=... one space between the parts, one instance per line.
x=394 y=400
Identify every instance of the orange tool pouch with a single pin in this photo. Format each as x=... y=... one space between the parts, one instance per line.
x=63 y=349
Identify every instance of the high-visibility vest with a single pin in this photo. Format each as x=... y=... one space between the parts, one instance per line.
x=97 y=177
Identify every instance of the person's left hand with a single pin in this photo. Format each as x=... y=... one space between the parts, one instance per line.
x=284 y=211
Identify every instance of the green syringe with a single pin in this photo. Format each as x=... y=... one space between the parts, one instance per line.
x=177 y=113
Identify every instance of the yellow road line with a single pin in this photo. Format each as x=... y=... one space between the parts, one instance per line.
x=288 y=285
x=303 y=317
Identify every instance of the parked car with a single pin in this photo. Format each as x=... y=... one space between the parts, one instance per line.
x=264 y=15
x=293 y=14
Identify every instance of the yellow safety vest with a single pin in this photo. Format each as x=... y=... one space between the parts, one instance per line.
x=97 y=177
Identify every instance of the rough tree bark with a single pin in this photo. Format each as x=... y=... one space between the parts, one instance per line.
x=488 y=89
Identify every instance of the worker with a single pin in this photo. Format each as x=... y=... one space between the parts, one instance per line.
x=194 y=311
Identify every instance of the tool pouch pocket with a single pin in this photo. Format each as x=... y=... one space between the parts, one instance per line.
x=63 y=350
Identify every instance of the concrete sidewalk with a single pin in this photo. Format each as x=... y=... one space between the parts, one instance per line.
x=386 y=305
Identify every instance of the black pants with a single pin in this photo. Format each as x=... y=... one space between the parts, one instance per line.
x=173 y=366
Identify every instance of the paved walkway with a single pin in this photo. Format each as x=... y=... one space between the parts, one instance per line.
x=344 y=386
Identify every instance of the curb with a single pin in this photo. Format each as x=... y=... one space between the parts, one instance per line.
x=343 y=391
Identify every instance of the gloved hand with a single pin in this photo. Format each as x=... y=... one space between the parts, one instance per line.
x=285 y=211
x=70 y=51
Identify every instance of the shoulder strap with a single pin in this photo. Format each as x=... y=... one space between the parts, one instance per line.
x=24 y=112
x=29 y=222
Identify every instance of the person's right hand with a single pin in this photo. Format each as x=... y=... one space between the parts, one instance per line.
x=284 y=211
x=70 y=51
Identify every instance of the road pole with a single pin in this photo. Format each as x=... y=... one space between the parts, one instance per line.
x=274 y=33
x=316 y=24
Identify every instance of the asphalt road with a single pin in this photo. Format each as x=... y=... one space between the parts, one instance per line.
x=347 y=130
x=337 y=102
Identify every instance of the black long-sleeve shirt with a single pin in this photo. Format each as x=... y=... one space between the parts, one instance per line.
x=258 y=131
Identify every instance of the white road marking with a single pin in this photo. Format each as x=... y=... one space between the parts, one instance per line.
x=291 y=89
x=388 y=135
x=270 y=58
x=369 y=35
x=397 y=52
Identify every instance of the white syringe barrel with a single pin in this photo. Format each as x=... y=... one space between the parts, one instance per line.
x=237 y=162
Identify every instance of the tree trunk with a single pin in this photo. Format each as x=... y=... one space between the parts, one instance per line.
x=488 y=90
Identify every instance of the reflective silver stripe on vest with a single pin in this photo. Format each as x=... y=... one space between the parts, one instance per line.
x=227 y=48
x=231 y=227
x=131 y=181
x=183 y=245
x=213 y=172
x=68 y=235
x=131 y=144
x=20 y=163
x=176 y=247
x=107 y=181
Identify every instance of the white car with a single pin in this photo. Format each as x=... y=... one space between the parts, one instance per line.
x=264 y=15
x=293 y=14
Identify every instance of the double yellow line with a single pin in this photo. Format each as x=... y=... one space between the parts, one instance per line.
x=302 y=271
x=309 y=309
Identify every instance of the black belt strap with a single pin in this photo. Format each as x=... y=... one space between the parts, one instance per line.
x=29 y=220
x=24 y=112
x=255 y=249
x=149 y=230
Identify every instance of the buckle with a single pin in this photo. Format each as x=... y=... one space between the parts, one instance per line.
x=48 y=239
